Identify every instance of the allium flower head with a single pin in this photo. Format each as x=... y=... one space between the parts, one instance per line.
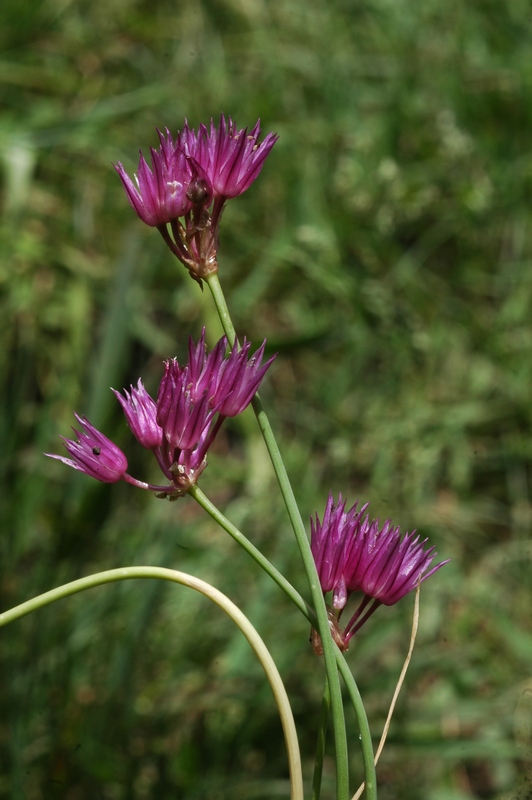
x=179 y=427
x=93 y=453
x=184 y=193
x=168 y=190
x=353 y=554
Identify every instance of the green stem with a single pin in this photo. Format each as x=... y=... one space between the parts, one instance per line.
x=221 y=307
x=250 y=548
x=352 y=688
x=363 y=726
x=242 y=622
x=320 y=746
x=337 y=711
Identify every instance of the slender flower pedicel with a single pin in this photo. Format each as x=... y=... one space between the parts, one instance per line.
x=353 y=555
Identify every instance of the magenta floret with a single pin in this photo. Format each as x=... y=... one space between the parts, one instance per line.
x=161 y=194
x=140 y=411
x=238 y=379
x=93 y=453
x=182 y=417
x=231 y=158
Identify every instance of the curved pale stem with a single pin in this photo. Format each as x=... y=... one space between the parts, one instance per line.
x=223 y=602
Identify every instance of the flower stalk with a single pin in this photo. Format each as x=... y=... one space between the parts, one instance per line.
x=254 y=552
x=337 y=712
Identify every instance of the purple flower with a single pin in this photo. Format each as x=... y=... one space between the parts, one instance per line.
x=187 y=174
x=181 y=415
x=141 y=415
x=332 y=549
x=192 y=403
x=238 y=378
x=231 y=158
x=230 y=382
x=168 y=190
x=353 y=555
x=94 y=454
x=204 y=367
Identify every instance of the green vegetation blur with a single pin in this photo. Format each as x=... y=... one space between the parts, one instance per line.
x=386 y=253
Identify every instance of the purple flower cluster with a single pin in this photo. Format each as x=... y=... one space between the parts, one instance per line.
x=353 y=554
x=186 y=177
x=179 y=427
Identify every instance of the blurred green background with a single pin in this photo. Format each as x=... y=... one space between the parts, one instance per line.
x=386 y=253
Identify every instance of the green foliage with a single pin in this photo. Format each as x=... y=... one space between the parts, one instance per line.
x=386 y=253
